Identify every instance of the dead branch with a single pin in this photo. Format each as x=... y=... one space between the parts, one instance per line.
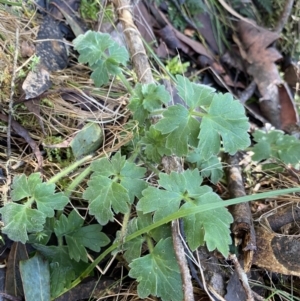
x=284 y=16
x=242 y=276
x=242 y=226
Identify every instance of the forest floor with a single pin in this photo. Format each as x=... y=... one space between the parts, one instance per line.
x=182 y=102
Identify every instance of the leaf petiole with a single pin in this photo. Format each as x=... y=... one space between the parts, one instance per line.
x=69 y=169
x=149 y=243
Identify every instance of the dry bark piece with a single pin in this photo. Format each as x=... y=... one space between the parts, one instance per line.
x=292 y=76
x=242 y=226
x=288 y=113
x=246 y=294
x=277 y=253
x=213 y=273
x=206 y=30
x=134 y=41
x=284 y=216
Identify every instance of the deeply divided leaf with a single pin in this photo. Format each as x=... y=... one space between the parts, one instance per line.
x=208 y=121
x=181 y=127
x=211 y=168
x=147 y=98
x=275 y=144
x=214 y=224
x=194 y=95
x=224 y=119
x=21 y=218
x=78 y=238
x=155 y=145
x=158 y=273
x=185 y=186
x=113 y=186
x=102 y=53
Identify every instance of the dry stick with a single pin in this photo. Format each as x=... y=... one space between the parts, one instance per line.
x=12 y=92
x=284 y=16
x=242 y=276
x=134 y=42
x=144 y=74
x=242 y=226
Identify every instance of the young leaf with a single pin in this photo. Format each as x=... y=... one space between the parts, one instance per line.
x=92 y=45
x=102 y=53
x=225 y=118
x=113 y=186
x=195 y=95
x=147 y=98
x=211 y=168
x=182 y=129
x=158 y=273
x=155 y=145
x=78 y=237
x=275 y=144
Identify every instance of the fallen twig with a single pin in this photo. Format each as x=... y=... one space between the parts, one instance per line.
x=284 y=16
x=242 y=276
x=12 y=92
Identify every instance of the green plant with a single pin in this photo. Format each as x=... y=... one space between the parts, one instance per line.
x=209 y=123
x=175 y=66
x=89 y=9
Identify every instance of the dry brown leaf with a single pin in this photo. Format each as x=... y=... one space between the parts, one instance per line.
x=255 y=44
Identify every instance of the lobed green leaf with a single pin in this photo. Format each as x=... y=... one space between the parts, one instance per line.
x=182 y=129
x=155 y=145
x=102 y=53
x=225 y=118
x=214 y=224
x=78 y=238
x=158 y=273
x=19 y=219
x=113 y=186
x=146 y=98
x=275 y=144
x=211 y=168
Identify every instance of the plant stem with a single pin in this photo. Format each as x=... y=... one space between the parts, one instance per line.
x=156 y=112
x=124 y=226
x=77 y=181
x=125 y=83
x=69 y=169
x=149 y=243
x=10 y=3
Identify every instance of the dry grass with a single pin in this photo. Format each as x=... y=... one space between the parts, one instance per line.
x=59 y=112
